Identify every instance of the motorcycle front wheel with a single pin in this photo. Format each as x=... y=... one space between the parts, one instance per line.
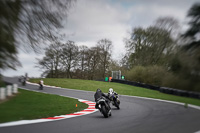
x=116 y=104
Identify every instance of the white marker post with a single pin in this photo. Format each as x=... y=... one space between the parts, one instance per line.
x=15 y=88
x=2 y=93
x=9 y=90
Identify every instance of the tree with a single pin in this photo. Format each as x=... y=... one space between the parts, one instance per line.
x=193 y=32
x=191 y=49
x=28 y=22
x=69 y=57
x=169 y=24
x=148 y=46
x=82 y=59
x=9 y=13
x=93 y=61
x=105 y=46
x=51 y=63
x=69 y=60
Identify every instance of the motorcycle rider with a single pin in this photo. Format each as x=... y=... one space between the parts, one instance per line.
x=98 y=95
x=23 y=80
x=110 y=92
x=41 y=83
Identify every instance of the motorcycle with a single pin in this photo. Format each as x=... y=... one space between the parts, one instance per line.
x=41 y=86
x=115 y=100
x=23 y=81
x=104 y=107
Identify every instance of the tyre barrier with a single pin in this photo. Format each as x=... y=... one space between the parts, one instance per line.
x=166 y=90
x=177 y=92
x=137 y=84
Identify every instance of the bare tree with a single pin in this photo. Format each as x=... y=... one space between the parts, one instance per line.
x=93 y=61
x=105 y=46
x=51 y=62
x=69 y=60
x=83 y=59
x=169 y=24
x=70 y=57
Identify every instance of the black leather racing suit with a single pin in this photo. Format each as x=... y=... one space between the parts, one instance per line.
x=98 y=95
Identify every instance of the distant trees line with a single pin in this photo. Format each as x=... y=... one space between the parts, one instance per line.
x=68 y=60
x=159 y=55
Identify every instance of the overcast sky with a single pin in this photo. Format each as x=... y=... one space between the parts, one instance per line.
x=91 y=20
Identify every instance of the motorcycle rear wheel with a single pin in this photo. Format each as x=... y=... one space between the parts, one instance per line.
x=104 y=111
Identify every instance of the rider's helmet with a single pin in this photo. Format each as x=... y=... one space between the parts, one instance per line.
x=110 y=91
x=99 y=90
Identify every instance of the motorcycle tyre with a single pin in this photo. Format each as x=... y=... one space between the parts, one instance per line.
x=116 y=104
x=104 y=112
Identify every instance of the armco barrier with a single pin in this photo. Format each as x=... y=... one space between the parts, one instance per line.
x=161 y=89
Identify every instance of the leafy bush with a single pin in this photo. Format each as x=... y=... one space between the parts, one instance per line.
x=136 y=74
x=150 y=75
x=158 y=75
x=173 y=81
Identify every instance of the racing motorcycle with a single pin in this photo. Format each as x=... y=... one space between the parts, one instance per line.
x=104 y=107
x=41 y=86
x=115 y=100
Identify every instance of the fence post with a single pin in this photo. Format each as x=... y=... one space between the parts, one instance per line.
x=9 y=90
x=15 y=88
x=2 y=93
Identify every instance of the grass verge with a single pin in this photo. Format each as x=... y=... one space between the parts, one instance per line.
x=29 y=105
x=122 y=89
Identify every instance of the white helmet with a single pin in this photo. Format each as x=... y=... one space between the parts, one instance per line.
x=110 y=91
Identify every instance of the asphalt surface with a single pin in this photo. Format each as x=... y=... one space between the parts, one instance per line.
x=135 y=116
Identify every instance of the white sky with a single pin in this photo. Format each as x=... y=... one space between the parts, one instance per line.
x=91 y=20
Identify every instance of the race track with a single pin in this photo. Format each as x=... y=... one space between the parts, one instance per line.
x=136 y=115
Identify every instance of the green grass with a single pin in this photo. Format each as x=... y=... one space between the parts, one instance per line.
x=32 y=105
x=122 y=89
